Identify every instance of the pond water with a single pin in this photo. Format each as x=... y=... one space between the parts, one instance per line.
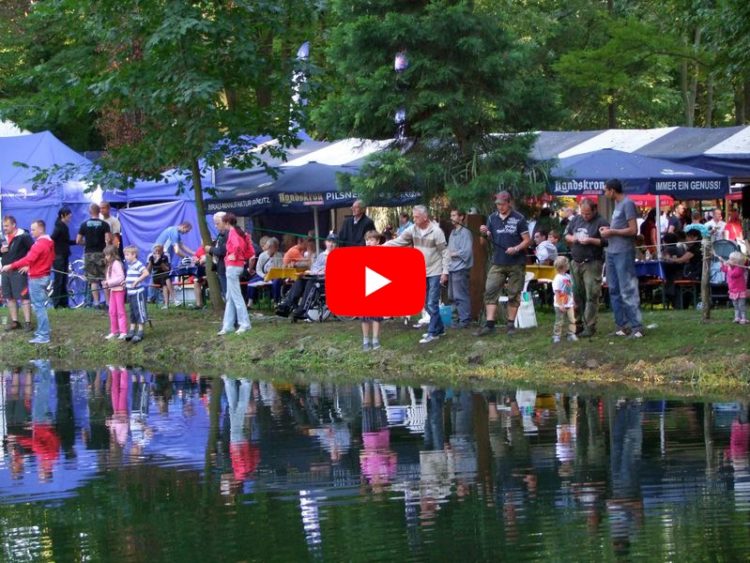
x=129 y=465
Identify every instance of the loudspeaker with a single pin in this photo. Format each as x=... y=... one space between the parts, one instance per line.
x=746 y=201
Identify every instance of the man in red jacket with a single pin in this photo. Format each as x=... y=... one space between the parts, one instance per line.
x=38 y=263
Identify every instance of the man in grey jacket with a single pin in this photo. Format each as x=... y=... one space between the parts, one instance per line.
x=461 y=251
x=427 y=237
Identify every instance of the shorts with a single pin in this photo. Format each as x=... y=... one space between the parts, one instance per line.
x=137 y=304
x=160 y=279
x=94 y=266
x=512 y=277
x=371 y=319
x=15 y=285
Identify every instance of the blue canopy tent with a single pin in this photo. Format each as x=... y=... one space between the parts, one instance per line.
x=586 y=174
x=17 y=195
x=149 y=191
x=297 y=189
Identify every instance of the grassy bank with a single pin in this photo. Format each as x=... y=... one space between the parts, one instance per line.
x=679 y=355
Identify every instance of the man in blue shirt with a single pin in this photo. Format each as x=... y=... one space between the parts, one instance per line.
x=171 y=240
x=508 y=231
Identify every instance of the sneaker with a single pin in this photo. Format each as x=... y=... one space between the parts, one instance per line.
x=586 y=333
x=122 y=336
x=621 y=332
x=27 y=327
x=366 y=347
x=110 y=336
x=438 y=335
x=736 y=320
x=243 y=329
x=129 y=336
x=636 y=334
x=743 y=321
x=485 y=331
x=555 y=340
x=427 y=339
x=572 y=338
x=376 y=345
x=222 y=332
x=164 y=307
x=38 y=340
x=13 y=325
x=511 y=330
x=137 y=337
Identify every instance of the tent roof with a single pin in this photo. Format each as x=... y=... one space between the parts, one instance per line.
x=724 y=150
x=586 y=173
x=38 y=149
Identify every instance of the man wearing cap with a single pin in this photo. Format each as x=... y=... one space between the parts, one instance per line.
x=305 y=284
x=508 y=232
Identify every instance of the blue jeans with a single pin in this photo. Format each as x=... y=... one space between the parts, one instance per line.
x=433 y=306
x=459 y=281
x=623 y=289
x=235 y=307
x=38 y=295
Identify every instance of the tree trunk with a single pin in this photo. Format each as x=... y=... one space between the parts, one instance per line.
x=709 y=101
x=214 y=290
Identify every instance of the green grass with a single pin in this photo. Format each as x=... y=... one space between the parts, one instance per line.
x=679 y=355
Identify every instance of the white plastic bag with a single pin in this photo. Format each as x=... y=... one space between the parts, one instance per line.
x=526 y=316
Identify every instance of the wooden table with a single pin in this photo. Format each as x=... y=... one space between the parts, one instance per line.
x=541 y=272
x=283 y=273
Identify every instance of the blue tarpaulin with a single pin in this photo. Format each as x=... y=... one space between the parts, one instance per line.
x=586 y=174
x=142 y=225
x=17 y=195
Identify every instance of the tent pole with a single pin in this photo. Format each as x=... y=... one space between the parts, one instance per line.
x=317 y=230
x=658 y=228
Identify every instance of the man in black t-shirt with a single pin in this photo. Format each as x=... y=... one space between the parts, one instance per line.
x=94 y=234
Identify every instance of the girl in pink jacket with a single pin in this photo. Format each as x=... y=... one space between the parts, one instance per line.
x=115 y=282
x=736 y=272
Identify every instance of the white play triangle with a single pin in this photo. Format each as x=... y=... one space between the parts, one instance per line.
x=374 y=281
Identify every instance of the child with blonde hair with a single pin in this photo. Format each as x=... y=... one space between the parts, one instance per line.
x=372 y=238
x=562 y=286
x=115 y=283
x=736 y=273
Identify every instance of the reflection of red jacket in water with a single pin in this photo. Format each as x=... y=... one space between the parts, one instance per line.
x=739 y=440
x=44 y=443
x=245 y=458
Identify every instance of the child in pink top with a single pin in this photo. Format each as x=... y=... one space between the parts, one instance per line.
x=115 y=282
x=737 y=284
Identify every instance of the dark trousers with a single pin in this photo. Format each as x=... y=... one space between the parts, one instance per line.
x=60 y=282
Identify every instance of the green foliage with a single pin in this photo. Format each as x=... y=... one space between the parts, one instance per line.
x=467 y=80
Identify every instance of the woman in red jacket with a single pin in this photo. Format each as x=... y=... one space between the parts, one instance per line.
x=239 y=251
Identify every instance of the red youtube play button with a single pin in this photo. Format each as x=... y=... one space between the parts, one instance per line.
x=375 y=281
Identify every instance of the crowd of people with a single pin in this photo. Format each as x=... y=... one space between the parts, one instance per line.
x=580 y=245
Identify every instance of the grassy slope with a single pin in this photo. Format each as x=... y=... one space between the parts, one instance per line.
x=679 y=355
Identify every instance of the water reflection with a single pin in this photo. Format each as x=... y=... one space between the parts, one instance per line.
x=366 y=470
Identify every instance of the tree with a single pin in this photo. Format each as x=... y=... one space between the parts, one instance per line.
x=469 y=84
x=178 y=84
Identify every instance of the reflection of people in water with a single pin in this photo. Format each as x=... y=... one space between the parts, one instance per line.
x=434 y=478
x=462 y=452
x=737 y=454
x=625 y=507
x=44 y=441
x=245 y=456
x=20 y=389
x=119 y=422
x=377 y=460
